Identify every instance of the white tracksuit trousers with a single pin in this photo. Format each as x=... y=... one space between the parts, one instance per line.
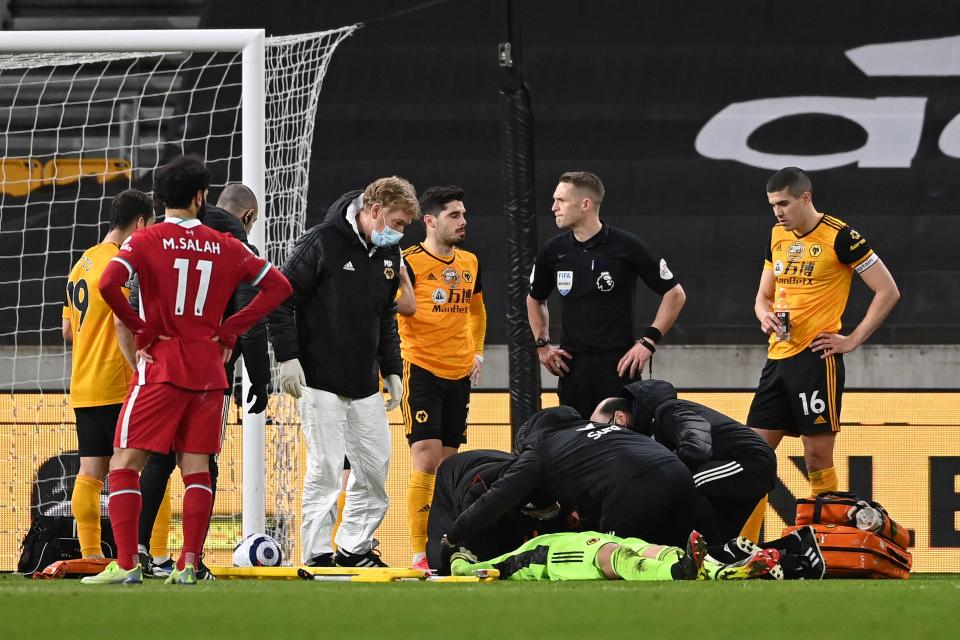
x=334 y=426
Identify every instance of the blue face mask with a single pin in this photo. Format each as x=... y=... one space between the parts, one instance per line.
x=386 y=238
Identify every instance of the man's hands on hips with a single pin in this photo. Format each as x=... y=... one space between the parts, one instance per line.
x=144 y=343
x=633 y=360
x=475 y=371
x=829 y=344
x=292 y=379
x=552 y=357
x=395 y=389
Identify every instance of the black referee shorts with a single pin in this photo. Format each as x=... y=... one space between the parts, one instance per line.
x=95 y=429
x=592 y=378
x=801 y=394
x=434 y=408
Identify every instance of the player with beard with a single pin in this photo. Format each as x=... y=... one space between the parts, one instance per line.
x=442 y=349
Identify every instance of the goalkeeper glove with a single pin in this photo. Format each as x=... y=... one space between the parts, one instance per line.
x=258 y=396
x=292 y=379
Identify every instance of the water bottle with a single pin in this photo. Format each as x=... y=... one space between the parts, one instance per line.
x=782 y=310
x=869 y=519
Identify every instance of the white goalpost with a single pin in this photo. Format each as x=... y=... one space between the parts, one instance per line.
x=86 y=114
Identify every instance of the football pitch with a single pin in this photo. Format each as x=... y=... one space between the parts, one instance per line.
x=922 y=607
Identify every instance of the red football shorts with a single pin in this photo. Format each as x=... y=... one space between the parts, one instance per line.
x=163 y=417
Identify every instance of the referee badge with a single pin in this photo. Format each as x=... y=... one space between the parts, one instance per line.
x=564 y=282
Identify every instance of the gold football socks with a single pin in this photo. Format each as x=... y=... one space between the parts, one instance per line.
x=85 y=504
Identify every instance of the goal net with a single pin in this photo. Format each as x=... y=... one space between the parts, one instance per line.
x=76 y=128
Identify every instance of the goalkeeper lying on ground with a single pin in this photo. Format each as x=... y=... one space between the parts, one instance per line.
x=596 y=556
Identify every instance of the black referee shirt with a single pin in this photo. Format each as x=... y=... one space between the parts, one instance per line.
x=597 y=280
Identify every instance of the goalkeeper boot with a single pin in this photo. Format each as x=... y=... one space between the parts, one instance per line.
x=114 y=574
x=733 y=551
x=762 y=563
x=461 y=562
x=692 y=560
x=185 y=576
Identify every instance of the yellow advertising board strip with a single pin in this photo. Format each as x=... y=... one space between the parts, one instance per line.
x=901 y=449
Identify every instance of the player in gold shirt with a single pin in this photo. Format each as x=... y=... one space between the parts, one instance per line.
x=812 y=258
x=442 y=349
x=100 y=376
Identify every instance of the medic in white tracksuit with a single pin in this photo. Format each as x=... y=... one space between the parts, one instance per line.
x=333 y=334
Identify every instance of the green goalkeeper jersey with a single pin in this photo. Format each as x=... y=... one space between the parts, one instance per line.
x=573 y=556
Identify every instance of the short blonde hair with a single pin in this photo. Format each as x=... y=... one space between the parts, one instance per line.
x=392 y=193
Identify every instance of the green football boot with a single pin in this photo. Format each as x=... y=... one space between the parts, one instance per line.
x=187 y=575
x=113 y=574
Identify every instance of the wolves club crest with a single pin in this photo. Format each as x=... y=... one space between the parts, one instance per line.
x=450 y=277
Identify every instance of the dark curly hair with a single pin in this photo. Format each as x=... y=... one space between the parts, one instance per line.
x=434 y=199
x=129 y=205
x=177 y=182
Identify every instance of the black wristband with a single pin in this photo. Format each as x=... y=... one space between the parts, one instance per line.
x=648 y=344
x=653 y=333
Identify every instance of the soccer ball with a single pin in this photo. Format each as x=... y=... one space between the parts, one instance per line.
x=257 y=550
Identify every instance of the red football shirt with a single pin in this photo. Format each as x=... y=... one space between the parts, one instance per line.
x=188 y=273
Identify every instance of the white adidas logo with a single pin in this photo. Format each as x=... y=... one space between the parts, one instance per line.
x=812 y=557
x=348 y=266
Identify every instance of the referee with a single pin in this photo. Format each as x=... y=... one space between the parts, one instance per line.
x=595 y=266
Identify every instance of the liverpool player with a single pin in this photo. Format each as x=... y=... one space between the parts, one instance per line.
x=187 y=273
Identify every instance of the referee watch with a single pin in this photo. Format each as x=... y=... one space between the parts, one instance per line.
x=542 y=342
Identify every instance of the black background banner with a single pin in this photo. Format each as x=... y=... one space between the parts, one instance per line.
x=624 y=89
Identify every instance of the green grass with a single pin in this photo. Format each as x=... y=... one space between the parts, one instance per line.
x=923 y=607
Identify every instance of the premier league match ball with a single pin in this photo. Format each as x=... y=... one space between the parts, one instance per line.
x=257 y=550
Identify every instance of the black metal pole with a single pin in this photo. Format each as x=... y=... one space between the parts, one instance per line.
x=516 y=119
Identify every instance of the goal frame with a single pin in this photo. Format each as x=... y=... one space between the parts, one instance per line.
x=250 y=42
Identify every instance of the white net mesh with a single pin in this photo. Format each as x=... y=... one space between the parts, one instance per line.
x=75 y=130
